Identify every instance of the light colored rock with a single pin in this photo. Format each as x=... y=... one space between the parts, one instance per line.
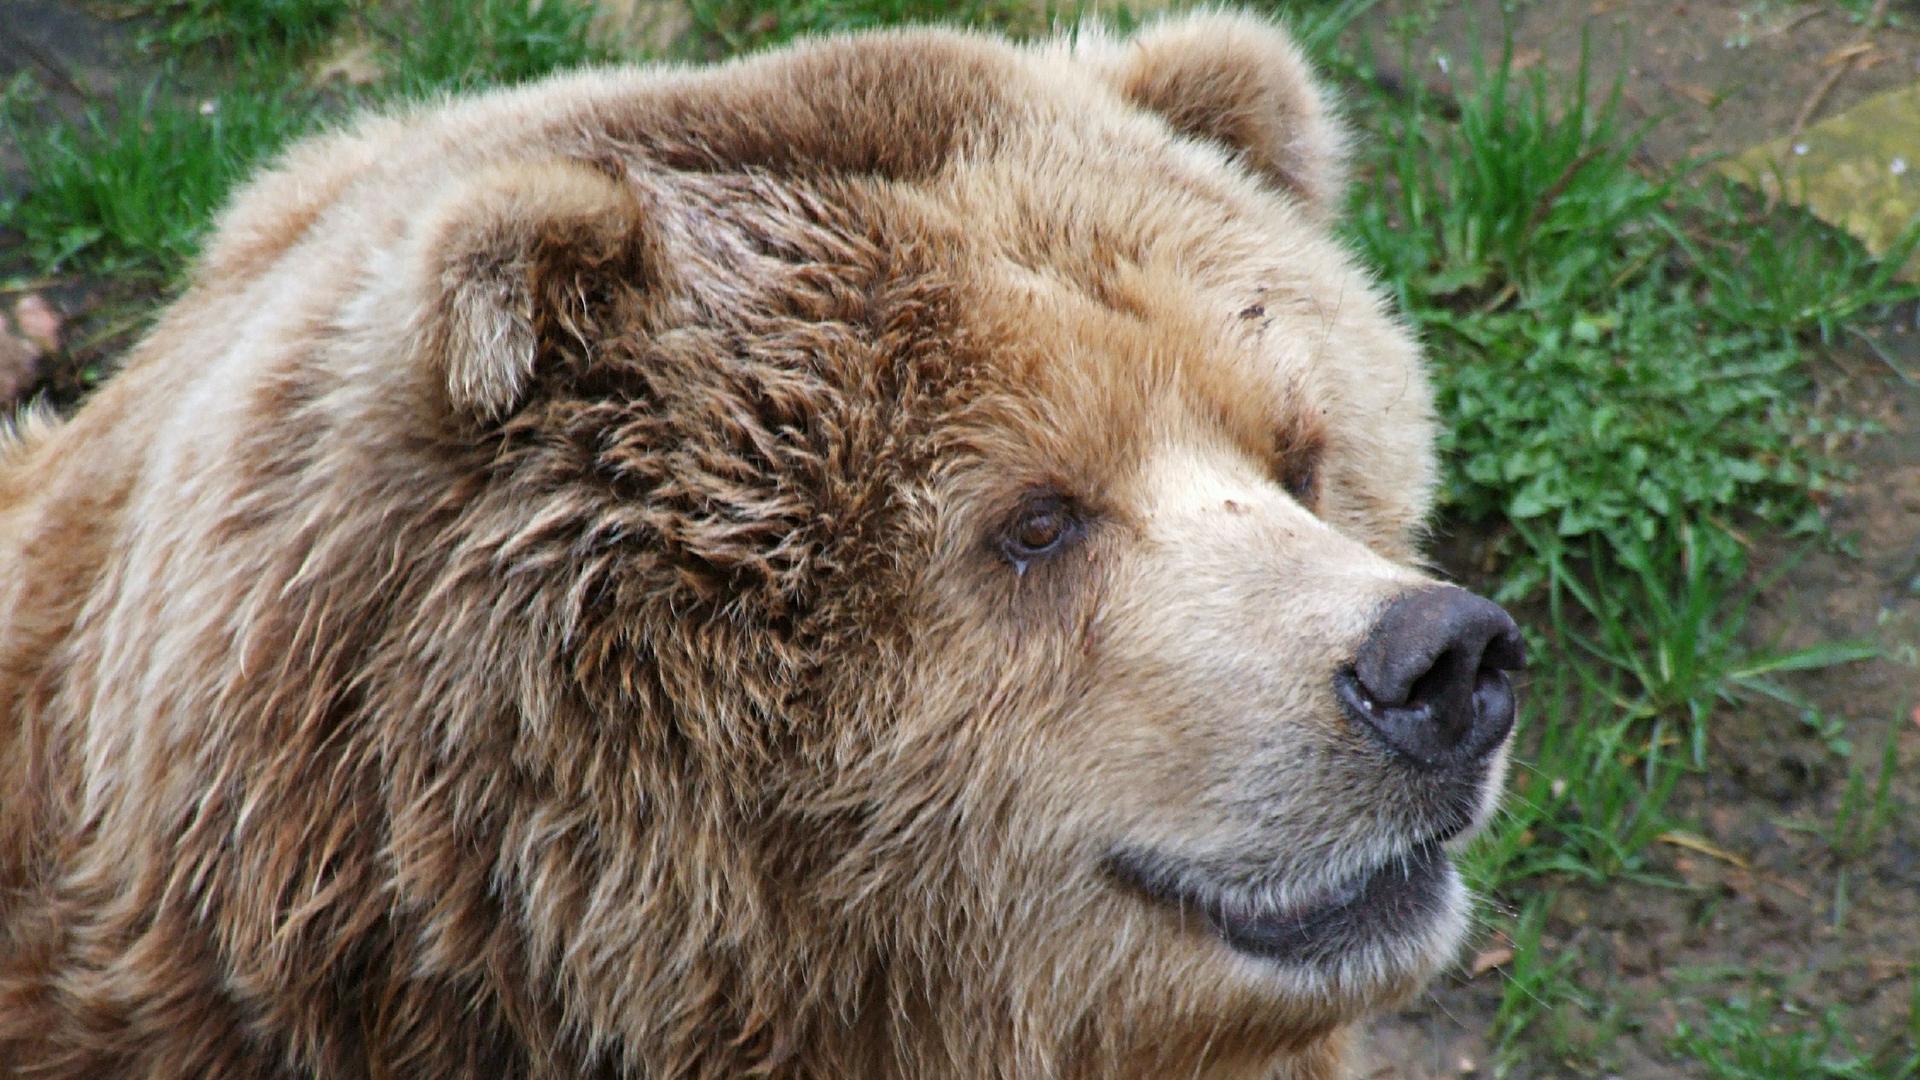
x=1859 y=169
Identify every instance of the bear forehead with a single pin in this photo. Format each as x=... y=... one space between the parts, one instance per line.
x=1064 y=265
x=1088 y=250
x=897 y=105
x=1069 y=325
x=990 y=152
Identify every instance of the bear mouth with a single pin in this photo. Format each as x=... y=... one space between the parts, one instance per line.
x=1394 y=899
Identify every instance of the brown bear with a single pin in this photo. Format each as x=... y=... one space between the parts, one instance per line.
x=890 y=558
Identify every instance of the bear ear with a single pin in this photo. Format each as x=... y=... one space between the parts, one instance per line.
x=1241 y=82
x=507 y=262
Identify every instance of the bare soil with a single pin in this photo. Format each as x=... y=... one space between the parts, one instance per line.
x=1710 y=76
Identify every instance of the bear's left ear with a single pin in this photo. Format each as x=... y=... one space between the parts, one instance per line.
x=1241 y=82
x=512 y=259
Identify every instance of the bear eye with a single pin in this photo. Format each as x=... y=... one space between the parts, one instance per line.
x=1298 y=454
x=1040 y=528
x=1301 y=478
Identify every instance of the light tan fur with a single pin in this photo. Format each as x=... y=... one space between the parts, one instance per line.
x=532 y=607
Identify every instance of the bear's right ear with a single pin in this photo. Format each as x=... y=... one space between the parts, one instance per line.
x=508 y=260
x=1239 y=82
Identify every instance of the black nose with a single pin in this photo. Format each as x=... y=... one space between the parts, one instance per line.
x=1431 y=679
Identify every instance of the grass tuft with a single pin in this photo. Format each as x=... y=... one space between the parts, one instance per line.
x=450 y=45
x=727 y=27
x=131 y=189
x=1760 y=1036
x=1604 y=376
x=243 y=28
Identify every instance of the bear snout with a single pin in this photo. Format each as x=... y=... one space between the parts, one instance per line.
x=1430 y=681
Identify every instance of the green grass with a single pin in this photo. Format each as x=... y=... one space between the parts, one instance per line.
x=1541 y=1010
x=1607 y=372
x=1785 y=271
x=1859 y=824
x=130 y=188
x=1503 y=203
x=1866 y=806
x=242 y=28
x=724 y=27
x=1760 y=1036
x=447 y=45
x=1672 y=622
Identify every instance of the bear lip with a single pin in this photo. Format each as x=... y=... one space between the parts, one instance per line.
x=1391 y=899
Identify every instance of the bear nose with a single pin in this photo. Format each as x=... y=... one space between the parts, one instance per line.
x=1431 y=678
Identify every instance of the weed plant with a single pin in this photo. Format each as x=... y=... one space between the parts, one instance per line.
x=1784 y=270
x=1538 y=986
x=1866 y=807
x=1603 y=373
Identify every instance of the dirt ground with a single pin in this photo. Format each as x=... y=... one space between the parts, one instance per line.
x=73 y=53
x=1711 y=77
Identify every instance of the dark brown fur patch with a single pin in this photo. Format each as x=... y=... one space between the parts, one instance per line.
x=814 y=114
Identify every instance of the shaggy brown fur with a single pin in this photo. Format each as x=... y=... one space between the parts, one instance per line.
x=542 y=603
